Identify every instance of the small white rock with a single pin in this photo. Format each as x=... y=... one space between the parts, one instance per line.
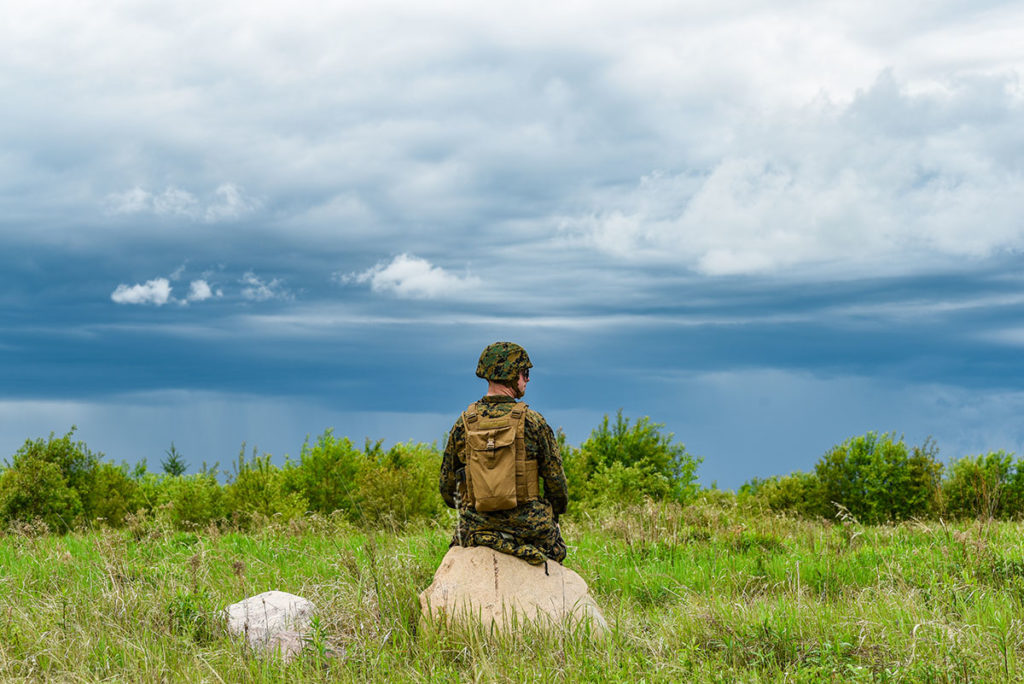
x=271 y=621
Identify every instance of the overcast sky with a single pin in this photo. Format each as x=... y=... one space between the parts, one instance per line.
x=768 y=226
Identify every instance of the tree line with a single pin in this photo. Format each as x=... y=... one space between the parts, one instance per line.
x=59 y=484
x=878 y=478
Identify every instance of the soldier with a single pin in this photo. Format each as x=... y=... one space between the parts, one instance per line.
x=498 y=452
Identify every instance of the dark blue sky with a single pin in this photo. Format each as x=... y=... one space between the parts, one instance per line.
x=768 y=227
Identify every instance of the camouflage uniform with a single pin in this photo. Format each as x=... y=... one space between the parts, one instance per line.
x=529 y=531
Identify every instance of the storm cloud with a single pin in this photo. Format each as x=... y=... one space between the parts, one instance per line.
x=805 y=199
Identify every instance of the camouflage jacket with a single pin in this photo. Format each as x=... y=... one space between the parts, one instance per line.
x=540 y=445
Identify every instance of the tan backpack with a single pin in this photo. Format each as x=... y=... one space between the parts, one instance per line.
x=498 y=476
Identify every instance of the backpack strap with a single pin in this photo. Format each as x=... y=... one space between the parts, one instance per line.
x=527 y=485
x=469 y=417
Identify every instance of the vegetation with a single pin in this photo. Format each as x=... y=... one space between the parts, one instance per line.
x=881 y=564
x=174 y=464
x=60 y=483
x=620 y=463
x=50 y=480
x=878 y=478
x=716 y=590
x=875 y=478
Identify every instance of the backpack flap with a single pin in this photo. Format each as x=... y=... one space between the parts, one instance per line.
x=492 y=464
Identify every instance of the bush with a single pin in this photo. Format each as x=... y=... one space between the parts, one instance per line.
x=577 y=470
x=192 y=500
x=76 y=463
x=368 y=486
x=35 y=489
x=114 y=495
x=878 y=480
x=400 y=484
x=620 y=463
x=259 y=488
x=989 y=486
x=51 y=479
x=327 y=475
x=616 y=483
x=797 y=492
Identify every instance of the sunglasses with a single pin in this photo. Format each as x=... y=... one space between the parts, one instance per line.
x=526 y=373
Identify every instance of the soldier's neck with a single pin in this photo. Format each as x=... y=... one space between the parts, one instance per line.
x=495 y=389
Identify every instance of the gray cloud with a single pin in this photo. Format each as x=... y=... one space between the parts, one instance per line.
x=812 y=187
x=416 y=127
x=258 y=290
x=205 y=426
x=228 y=203
x=889 y=183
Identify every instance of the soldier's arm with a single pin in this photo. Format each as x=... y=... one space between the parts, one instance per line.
x=556 y=490
x=450 y=465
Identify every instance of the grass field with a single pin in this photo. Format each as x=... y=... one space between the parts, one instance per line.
x=709 y=592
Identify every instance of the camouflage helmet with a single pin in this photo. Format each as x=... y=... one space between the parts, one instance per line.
x=502 y=362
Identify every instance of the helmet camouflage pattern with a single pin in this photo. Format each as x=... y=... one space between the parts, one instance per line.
x=502 y=362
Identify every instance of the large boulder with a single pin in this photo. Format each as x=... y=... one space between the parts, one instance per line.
x=502 y=590
x=272 y=622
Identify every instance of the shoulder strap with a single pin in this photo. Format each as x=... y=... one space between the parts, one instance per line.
x=527 y=486
x=469 y=416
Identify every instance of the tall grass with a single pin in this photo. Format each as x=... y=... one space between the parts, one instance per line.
x=707 y=592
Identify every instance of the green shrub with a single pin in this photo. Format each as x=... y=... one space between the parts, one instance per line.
x=577 y=469
x=616 y=483
x=114 y=495
x=797 y=492
x=400 y=484
x=192 y=614
x=327 y=475
x=1012 y=499
x=196 y=499
x=35 y=489
x=259 y=488
x=624 y=463
x=985 y=486
x=151 y=488
x=368 y=486
x=76 y=463
x=51 y=479
x=878 y=480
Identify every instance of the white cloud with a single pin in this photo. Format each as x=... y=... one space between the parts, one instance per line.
x=156 y=291
x=132 y=201
x=409 y=276
x=228 y=203
x=231 y=203
x=890 y=181
x=258 y=290
x=175 y=202
x=941 y=304
x=200 y=291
